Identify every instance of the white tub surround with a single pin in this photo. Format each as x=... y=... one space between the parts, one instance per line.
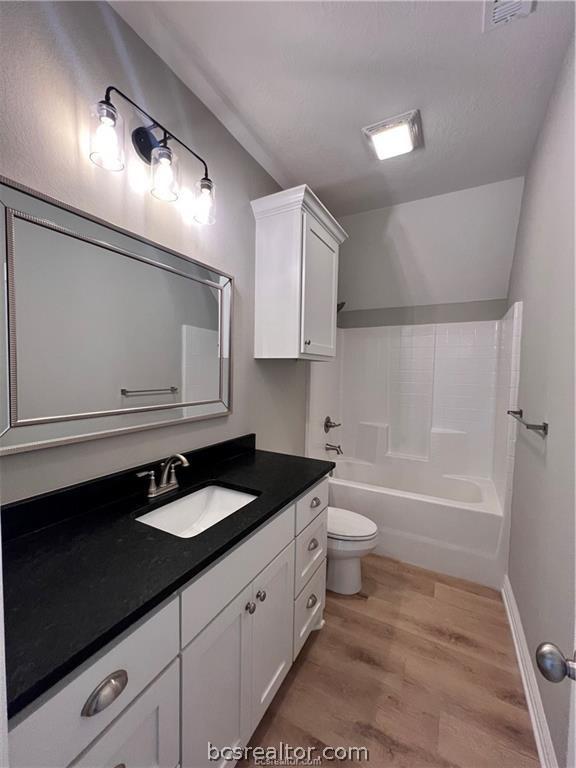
x=428 y=446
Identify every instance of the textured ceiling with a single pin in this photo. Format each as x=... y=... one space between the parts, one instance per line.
x=295 y=83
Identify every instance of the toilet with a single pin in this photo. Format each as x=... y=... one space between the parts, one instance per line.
x=350 y=537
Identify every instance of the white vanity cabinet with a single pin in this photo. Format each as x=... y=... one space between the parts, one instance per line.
x=146 y=735
x=297 y=242
x=232 y=670
x=59 y=729
x=201 y=669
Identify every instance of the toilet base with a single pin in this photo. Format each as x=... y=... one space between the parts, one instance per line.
x=344 y=575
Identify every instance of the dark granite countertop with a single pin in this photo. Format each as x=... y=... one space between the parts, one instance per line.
x=75 y=584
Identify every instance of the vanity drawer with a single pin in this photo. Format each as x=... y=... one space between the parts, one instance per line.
x=147 y=733
x=311 y=504
x=310 y=550
x=56 y=732
x=309 y=607
x=214 y=589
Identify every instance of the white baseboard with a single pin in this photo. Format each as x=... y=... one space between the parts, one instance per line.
x=544 y=743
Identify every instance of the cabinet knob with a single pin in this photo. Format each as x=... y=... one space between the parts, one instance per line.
x=105 y=693
x=315 y=502
x=311 y=602
x=307 y=342
x=313 y=545
x=261 y=595
x=250 y=607
x=120 y=765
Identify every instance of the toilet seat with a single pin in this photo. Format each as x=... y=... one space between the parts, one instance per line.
x=345 y=525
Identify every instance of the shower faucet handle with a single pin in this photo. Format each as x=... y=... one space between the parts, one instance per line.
x=329 y=424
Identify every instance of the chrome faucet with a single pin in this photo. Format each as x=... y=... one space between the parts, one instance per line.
x=168 y=480
x=336 y=448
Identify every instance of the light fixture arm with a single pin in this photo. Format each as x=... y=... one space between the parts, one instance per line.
x=155 y=124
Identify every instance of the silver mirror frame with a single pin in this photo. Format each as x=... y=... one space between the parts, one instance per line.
x=20 y=202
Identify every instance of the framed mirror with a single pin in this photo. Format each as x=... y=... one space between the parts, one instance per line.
x=102 y=331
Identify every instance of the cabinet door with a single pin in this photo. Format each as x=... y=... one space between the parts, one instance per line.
x=146 y=735
x=319 y=287
x=272 y=630
x=216 y=686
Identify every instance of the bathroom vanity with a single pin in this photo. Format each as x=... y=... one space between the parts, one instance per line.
x=117 y=632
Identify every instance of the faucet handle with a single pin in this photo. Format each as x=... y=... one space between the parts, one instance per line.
x=329 y=424
x=152 y=488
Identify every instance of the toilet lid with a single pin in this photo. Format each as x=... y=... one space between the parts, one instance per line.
x=344 y=524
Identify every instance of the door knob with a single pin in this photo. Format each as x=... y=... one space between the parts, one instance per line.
x=553 y=664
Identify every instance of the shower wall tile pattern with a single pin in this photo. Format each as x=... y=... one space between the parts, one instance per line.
x=466 y=360
x=436 y=393
x=410 y=388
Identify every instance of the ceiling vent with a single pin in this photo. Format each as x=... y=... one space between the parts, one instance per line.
x=498 y=13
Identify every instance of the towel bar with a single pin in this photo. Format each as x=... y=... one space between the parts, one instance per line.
x=136 y=392
x=541 y=428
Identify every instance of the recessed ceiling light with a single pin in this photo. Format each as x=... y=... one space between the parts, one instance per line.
x=395 y=136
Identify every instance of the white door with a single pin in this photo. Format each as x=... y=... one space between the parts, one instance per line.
x=273 y=595
x=147 y=734
x=319 y=287
x=216 y=686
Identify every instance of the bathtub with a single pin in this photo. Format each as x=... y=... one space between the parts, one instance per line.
x=449 y=523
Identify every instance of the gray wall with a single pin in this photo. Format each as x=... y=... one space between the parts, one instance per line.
x=72 y=52
x=445 y=249
x=542 y=535
x=456 y=312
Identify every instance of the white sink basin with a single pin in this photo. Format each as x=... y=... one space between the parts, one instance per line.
x=195 y=513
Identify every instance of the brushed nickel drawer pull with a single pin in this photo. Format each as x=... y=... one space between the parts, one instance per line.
x=311 y=602
x=315 y=502
x=313 y=545
x=105 y=693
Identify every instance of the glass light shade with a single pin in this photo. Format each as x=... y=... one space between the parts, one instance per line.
x=164 y=174
x=204 y=212
x=107 y=137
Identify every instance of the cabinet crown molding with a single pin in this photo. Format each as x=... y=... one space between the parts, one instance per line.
x=300 y=197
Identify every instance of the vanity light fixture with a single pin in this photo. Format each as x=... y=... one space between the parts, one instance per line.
x=107 y=151
x=164 y=172
x=396 y=135
x=107 y=137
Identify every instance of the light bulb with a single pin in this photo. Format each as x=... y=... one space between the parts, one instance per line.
x=164 y=174
x=204 y=204
x=107 y=137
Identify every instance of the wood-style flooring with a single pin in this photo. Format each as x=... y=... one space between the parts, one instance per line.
x=420 y=669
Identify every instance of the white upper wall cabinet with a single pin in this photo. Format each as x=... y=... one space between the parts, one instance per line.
x=297 y=242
